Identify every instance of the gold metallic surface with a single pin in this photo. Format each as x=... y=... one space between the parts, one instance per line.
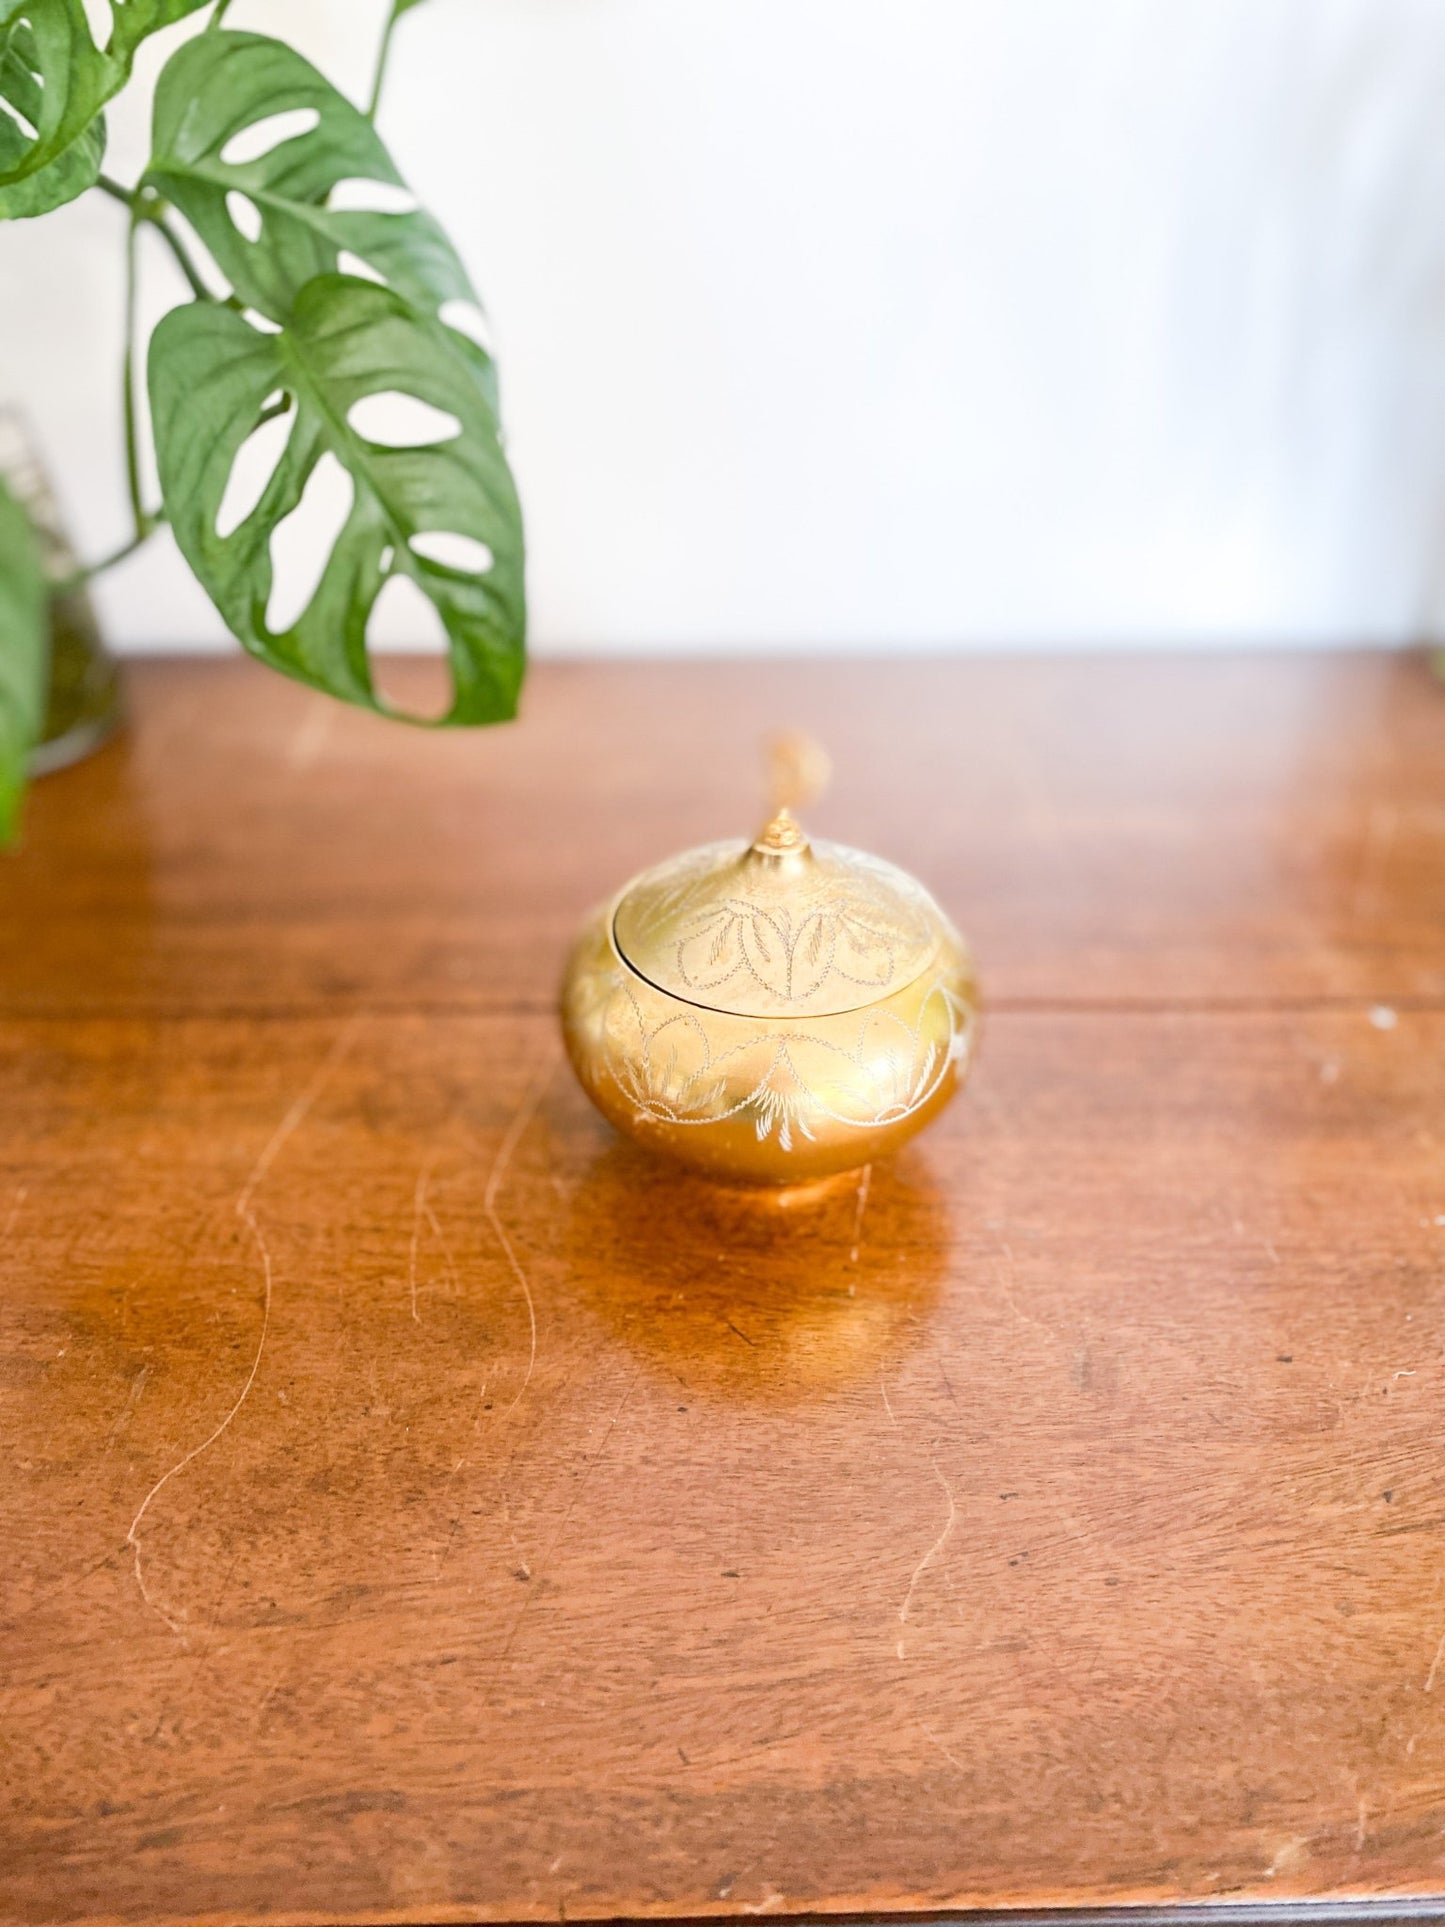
x=770 y=1013
x=779 y=928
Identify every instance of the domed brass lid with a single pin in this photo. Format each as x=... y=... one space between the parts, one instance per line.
x=780 y=927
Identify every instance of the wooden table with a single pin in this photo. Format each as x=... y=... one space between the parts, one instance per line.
x=416 y=1508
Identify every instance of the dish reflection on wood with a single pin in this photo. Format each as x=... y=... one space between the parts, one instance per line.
x=770 y=1013
x=755 y=1297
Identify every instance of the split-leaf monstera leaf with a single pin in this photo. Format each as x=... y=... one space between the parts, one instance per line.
x=211 y=374
x=341 y=297
x=320 y=342
x=54 y=81
x=221 y=85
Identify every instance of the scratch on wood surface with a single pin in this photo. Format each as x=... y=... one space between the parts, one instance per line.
x=419 y=1206
x=1290 y=1855
x=577 y=1490
x=441 y=1238
x=512 y=1137
x=132 y=1397
x=1435 y=1664
x=940 y=1542
x=951 y=1757
x=67 y=1584
x=932 y=1553
x=888 y=1403
x=524 y=1565
x=22 y=1191
x=864 y=1181
x=270 y=1693
x=526 y=1111
x=269 y=1151
x=1006 y=1284
x=132 y=1538
x=297 y=1112
x=769 y=1903
x=445 y=1551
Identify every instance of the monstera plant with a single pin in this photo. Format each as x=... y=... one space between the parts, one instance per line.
x=325 y=290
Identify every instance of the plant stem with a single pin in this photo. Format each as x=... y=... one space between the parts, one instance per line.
x=144 y=523
x=154 y=213
x=382 y=55
x=145 y=206
x=128 y=407
x=70 y=583
x=219 y=15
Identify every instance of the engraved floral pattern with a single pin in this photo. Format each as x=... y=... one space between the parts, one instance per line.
x=875 y=1070
x=853 y=929
x=790 y=955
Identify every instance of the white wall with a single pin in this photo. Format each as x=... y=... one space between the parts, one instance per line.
x=896 y=322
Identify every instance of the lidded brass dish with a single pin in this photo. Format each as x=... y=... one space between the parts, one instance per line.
x=770 y=1012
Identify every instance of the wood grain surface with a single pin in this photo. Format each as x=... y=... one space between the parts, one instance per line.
x=416 y=1508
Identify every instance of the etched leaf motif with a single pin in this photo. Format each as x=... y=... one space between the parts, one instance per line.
x=766 y=953
x=692 y=878
x=780 y=1082
x=813 y=949
x=671 y=1075
x=709 y=954
x=871 y=950
x=781 y=1102
x=923 y=1076
x=724 y=928
x=899 y=1066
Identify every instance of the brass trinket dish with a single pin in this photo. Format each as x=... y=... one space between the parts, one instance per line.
x=771 y=1012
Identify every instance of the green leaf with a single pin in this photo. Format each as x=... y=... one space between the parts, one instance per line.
x=24 y=652
x=23 y=94
x=216 y=87
x=54 y=81
x=212 y=373
x=73 y=170
x=136 y=20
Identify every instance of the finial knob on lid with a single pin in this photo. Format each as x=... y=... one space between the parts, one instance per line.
x=799 y=769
